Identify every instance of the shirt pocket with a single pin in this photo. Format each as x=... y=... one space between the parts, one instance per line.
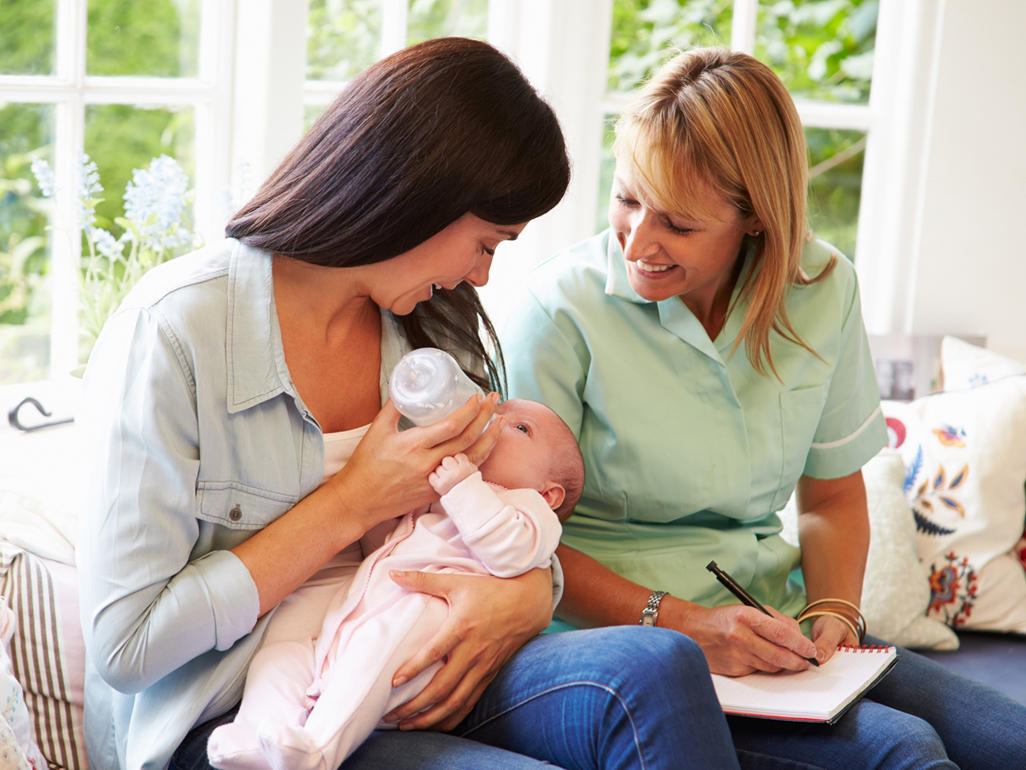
x=800 y=412
x=238 y=506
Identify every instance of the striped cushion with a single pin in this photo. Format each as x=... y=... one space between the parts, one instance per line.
x=46 y=650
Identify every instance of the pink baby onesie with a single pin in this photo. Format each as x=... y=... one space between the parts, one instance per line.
x=311 y=705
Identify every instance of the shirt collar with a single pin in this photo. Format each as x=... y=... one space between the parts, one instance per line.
x=617 y=283
x=256 y=358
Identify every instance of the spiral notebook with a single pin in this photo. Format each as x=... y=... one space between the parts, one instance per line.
x=820 y=694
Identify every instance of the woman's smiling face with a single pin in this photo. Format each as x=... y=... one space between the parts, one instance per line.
x=670 y=255
x=462 y=251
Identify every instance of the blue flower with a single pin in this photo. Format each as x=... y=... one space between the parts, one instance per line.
x=108 y=245
x=89 y=190
x=44 y=176
x=155 y=201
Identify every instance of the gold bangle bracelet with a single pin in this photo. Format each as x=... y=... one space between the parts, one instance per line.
x=860 y=618
x=828 y=613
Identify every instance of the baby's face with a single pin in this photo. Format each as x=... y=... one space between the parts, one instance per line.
x=522 y=456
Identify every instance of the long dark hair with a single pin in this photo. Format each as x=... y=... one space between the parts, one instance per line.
x=414 y=142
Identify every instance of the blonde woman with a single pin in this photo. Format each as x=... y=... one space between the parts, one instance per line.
x=711 y=358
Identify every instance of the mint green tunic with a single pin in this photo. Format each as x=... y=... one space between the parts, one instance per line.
x=689 y=452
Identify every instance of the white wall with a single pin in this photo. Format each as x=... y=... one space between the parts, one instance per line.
x=556 y=45
x=951 y=262
x=971 y=274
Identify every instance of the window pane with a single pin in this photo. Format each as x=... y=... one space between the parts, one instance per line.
x=310 y=114
x=822 y=49
x=27 y=40
x=26 y=133
x=123 y=137
x=343 y=38
x=606 y=170
x=157 y=38
x=438 y=18
x=646 y=32
x=835 y=184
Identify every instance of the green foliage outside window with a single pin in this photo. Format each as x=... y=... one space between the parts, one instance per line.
x=156 y=38
x=343 y=38
x=27 y=44
x=645 y=33
x=439 y=18
x=124 y=37
x=25 y=134
x=821 y=49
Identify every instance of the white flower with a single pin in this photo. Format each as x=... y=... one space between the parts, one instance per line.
x=107 y=245
x=89 y=190
x=44 y=176
x=155 y=199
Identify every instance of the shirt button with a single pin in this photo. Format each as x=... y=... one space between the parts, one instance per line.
x=235 y=513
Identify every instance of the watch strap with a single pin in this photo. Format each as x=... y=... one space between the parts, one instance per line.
x=650 y=613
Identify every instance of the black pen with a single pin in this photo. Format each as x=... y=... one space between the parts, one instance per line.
x=746 y=598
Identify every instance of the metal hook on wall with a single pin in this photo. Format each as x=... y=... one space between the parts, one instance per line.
x=13 y=419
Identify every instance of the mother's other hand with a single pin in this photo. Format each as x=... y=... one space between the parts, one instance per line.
x=489 y=619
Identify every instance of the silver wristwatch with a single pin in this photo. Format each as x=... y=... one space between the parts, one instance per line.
x=651 y=611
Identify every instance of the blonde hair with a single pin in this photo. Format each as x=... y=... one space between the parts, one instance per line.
x=721 y=120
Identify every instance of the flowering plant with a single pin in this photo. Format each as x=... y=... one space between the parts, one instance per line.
x=154 y=224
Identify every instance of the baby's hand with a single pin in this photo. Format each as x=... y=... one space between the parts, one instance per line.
x=450 y=472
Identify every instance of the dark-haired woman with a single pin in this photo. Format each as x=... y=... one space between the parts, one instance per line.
x=228 y=390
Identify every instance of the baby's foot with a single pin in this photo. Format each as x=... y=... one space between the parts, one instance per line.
x=232 y=747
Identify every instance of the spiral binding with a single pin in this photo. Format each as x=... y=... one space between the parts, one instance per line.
x=864 y=647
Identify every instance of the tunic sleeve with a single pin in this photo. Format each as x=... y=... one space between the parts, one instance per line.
x=851 y=429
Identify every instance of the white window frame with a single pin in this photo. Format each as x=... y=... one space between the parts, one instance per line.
x=251 y=90
x=71 y=90
x=564 y=48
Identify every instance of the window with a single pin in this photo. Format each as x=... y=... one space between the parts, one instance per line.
x=227 y=92
x=346 y=36
x=821 y=49
x=123 y=82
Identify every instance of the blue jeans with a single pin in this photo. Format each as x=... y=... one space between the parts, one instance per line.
x=611 y=698
x=921 y=715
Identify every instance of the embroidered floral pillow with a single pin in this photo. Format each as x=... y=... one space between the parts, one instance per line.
x=965 y=469
x=969 y=366
x=896 y=589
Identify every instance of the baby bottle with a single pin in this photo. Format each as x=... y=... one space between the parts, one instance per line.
x=427 y=384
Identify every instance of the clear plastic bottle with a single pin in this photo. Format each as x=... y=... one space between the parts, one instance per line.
x=427 y=384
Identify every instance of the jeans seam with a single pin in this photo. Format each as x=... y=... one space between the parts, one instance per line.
x=565 y=685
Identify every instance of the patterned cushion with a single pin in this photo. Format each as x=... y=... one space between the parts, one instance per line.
x=47 y=652
x=896 y=587
x=18 y=749
x=965 y=457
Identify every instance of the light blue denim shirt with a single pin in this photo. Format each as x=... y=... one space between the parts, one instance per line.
x=193 y=359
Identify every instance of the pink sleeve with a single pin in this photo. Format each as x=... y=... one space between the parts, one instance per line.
x=509 y=530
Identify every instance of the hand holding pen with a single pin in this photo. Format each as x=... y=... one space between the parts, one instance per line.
x=746 y=598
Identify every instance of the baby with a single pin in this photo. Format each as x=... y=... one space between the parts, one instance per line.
x=314 y=708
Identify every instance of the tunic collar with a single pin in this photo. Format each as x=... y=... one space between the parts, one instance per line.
x=674 y=315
